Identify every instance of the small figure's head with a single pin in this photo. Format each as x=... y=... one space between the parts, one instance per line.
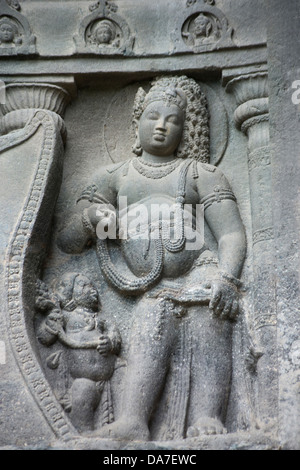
x=172 y=119
x=7 y=31
x=76 y=290
x=202 y=26
x=104 y=33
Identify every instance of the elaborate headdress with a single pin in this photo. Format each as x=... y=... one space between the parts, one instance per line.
x=187 y=95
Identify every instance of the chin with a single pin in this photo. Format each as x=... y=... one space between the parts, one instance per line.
x=160 y=150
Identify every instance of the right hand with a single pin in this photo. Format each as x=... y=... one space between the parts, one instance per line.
x=55 y=321
x=224 y=300
x=103 y=212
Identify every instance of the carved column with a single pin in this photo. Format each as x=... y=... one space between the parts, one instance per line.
x=22 y=100
x=252 y=118
x=31 y=151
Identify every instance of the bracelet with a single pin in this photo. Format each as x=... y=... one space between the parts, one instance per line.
x=87 y=225
x=230 y=278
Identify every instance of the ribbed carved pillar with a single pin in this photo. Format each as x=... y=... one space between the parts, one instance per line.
x=252 y=118
x=31 y=163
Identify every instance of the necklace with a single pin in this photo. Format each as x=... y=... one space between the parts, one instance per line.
x=141 y=284
x=155 y=170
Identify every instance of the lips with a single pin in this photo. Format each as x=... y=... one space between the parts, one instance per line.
x=158 y=136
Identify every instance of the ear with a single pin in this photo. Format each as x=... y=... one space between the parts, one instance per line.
x=137 y=149
x=135 y=124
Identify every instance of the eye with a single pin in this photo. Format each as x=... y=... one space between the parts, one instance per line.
x=153 y=115
x=173 y=119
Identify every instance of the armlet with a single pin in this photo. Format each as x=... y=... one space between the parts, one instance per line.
x=91 y=194
x=218 y=195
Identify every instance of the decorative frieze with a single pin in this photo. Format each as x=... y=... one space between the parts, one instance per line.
x=204 y=28
x=104 y=32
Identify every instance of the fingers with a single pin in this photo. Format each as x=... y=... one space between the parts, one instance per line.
x=104 y=345
x=224 y=306
x=234 y=310
x=226 y=311
x=215 y=299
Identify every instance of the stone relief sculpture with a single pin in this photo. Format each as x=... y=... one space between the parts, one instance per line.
x=15 y=33
x=124 y=309
x=201 y=31
x=104 y=31
x=205 y=28
x=8 y=32
x=171 y=221
x=70 y=315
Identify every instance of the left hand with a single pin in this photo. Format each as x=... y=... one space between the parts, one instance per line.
x=104 y=345
x=224 y=299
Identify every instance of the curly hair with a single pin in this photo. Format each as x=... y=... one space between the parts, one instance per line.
x=195 y=138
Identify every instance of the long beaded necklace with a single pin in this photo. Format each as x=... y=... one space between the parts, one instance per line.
x=141 y=284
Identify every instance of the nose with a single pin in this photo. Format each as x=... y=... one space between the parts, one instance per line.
x=161 y=125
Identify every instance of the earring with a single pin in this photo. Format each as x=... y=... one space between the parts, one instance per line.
x=137 y=148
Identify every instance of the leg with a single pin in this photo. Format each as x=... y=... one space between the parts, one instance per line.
x=85 y=399
x=211 y=372
x=152 y=339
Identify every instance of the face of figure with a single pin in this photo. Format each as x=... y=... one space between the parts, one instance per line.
x=160 y=128
x=103 y=34
x=85 y=293
x=201 y=24
x=6 y=33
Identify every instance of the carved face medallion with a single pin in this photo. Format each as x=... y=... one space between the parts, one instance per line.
x=103 y=34
x=200 y=26
x=7 y=33
x=160 y=128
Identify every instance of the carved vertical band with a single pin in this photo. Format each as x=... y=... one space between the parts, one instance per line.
x=251 y=117
x=28 y=108
x=16 y=255
x=259 y=158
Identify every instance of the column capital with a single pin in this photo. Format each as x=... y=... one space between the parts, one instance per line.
x=250 y=89
x=20 y=99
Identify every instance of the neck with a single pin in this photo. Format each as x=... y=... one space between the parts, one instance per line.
x=148 y=157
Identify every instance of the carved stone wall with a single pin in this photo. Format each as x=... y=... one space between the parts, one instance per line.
x=103 y=340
